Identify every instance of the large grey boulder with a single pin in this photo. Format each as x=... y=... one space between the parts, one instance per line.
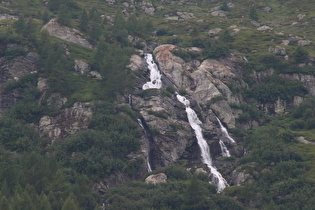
x=81 y=67
x=156 y=178
x=277 y=50
x=65 y=33
x=69 y=121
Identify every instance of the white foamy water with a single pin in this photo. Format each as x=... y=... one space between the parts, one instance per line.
x=155 y=75
x=147 y=159
x=195 y=123
x=225 y=132
x=224 y=150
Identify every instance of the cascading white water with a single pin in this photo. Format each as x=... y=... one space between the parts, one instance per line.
x=224 y=149
x=147 y=159
x=130 y=99
x=155 y=75
x=195 y=123
x=225 y=132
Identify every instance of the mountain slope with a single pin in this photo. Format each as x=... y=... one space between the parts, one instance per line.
x=77 y=129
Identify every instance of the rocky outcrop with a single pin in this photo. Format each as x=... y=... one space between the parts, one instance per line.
x=136 y=63
x=308 y=81
x=304 y=42
x=69 y=121
x=214 y=31
x=264 y=28
x=6 y=17
x=13 y=70
x=205 y=83
x=81 y=67
x=66 y=34
x=18 y=67
x=240 y=177
x=216 y=11
x=164 y=116
x=277 y=50
x=169 y=130
x=156 y=178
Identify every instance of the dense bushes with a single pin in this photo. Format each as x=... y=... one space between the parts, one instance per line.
x=103 y=151
x=274 y=87
x=190 y=194
x=304 y=115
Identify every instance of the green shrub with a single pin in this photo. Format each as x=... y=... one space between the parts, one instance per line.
x=300 y=55
x=274 y=87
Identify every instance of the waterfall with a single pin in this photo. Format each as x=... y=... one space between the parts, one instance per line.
x=224 y=149
x=130 y=99
x=148 y=144
x=155 y=75
x=225 y=132
x=195 y=123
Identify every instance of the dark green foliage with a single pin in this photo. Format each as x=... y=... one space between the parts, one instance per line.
x=186 y=55
x=216 y=49
x=249 y=113
x=275 y=87
x=195 y=196
x=139 y=26
x=64 y=15
x=111 y=61
x=195 y=32
x=17 y=136
x=301 y=55
x=270 y=149
x=189 y=194
x=70 y=203
x=84 y=21
x=163 y=32
x=304 y=115
x=253 y=14
x=103 y=151
x=224 y=6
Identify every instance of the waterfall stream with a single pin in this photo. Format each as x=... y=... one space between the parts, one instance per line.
x=224 y=149
x=148 y=145
x=195 y=123
x=155 y=75
x=225 y=132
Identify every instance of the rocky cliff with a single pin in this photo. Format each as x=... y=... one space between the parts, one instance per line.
x=204 y=82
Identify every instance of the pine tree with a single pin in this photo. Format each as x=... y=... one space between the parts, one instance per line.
x=84 y=21
x=64 y=15
x=195 y=197
x=44 y=203
x=4 y=204
x=70 y=203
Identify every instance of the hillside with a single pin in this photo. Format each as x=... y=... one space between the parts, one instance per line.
x=157 y=104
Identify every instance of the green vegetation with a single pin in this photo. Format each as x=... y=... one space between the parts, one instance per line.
x=41 y=173
x=274 y=87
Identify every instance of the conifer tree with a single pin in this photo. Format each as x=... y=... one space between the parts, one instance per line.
x=4 y=204
x=195 y=198
x=70 y=203
x=44 y=203
x=64 y=15
x=84 y=21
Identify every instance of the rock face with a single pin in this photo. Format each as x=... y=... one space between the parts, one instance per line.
x=69 y=121
x=277 y=50
x=6 y=17
x=81 y=67
x=308 y=81
x=205 y=81
x=13 y=70
x=171 y=136
x=65 y=33
x=156 y=178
